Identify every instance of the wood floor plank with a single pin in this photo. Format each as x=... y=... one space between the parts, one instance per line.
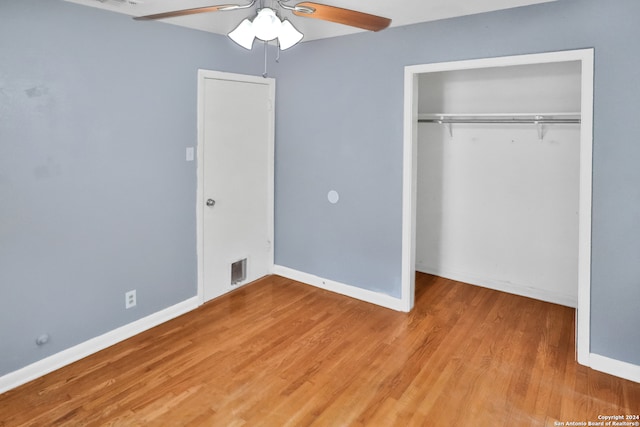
x=281 y=353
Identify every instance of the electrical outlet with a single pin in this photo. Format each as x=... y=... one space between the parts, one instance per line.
x=130 y=299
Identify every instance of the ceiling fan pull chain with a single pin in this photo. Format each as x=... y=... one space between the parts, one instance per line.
x=265 y=61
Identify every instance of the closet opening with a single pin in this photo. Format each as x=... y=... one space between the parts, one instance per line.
x=497 y=177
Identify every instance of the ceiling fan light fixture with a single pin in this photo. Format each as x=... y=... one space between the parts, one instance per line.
x=244 y=34
x=266 y=25
x=289 y=35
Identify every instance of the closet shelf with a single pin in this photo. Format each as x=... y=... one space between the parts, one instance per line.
x=538 y=119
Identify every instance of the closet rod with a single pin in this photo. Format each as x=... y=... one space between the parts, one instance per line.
x=541 y=121
x=499 y=118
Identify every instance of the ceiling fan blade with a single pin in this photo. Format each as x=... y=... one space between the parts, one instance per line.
x=216 y=8
x=341 y=16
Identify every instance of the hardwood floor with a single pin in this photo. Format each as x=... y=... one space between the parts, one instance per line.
x=280 y=353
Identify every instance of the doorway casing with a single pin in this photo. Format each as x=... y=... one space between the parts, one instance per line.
x=410 y=166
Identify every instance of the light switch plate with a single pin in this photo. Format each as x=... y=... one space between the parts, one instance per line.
x=190 y=154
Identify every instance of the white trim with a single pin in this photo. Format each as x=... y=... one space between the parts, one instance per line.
x=502 y=286
x=372 y=297
x=93 y=345
x=586 y=150
x=209 y=74
x=502 y=61
x=618 y=368
x=583 y=313
x=409 y=188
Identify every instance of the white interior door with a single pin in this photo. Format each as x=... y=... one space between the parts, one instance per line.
x=236 y=126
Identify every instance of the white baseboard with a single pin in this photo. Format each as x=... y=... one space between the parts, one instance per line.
x=341 y=288
x=82 y=350
x=512 y=288
x=615 y=367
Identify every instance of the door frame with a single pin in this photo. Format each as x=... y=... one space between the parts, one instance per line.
x=200 y=241
x=409 y=191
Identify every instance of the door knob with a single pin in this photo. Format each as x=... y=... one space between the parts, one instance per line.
x=211 y=202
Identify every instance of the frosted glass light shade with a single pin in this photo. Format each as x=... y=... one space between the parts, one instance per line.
x=288 y=36
x=266 y=25
x=244 y=34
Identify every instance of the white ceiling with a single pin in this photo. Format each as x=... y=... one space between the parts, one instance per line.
x=401 y=12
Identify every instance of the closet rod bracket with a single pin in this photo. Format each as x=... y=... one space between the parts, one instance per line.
x=539 y=126
x=448 y=124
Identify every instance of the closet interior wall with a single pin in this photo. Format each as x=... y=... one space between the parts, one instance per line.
x=497 y=206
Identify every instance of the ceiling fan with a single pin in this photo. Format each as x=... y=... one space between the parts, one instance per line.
x=267 y=26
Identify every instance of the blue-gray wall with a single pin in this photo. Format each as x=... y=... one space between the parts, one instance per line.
x=96 y=197
x=339 y=124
